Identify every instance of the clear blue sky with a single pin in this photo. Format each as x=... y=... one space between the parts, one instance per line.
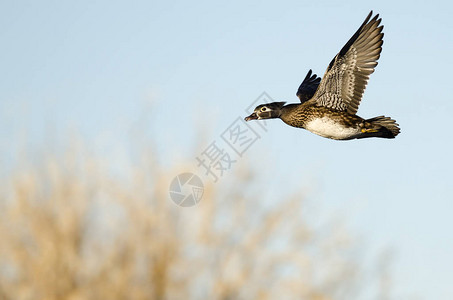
x=94 y=66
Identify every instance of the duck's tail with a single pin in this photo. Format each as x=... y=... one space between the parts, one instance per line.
x=383 y=127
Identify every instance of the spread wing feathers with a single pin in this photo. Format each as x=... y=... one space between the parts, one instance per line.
x=346 y=77
x=308 y=87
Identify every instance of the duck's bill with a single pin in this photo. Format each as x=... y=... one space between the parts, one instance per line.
x=251 y=117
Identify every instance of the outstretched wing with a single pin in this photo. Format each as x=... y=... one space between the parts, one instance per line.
x=345 y=80
x=308 y=87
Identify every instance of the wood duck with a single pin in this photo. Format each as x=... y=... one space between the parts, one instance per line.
x=328 y=107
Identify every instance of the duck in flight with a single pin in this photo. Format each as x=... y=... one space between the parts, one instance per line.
x=328 y=107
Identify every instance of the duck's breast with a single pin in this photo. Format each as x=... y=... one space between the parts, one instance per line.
x=332 y=129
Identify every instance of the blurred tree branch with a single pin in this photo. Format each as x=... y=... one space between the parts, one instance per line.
x=70 y=229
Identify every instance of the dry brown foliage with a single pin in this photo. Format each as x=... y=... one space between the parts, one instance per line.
x=70 y=228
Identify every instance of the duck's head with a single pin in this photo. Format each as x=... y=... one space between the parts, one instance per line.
x=266 y=111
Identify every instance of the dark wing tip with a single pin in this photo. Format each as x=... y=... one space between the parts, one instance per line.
x=357 y=33
x=368 y=17
x=308 y=75
x=308 y=86
x=354 y=37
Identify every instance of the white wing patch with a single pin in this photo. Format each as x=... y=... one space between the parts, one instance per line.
x=326 y=127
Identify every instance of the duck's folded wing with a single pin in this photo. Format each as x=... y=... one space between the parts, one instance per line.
x=345 y=80
x=308 y=87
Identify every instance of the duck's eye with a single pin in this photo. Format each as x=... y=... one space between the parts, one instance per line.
x=263 y=108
